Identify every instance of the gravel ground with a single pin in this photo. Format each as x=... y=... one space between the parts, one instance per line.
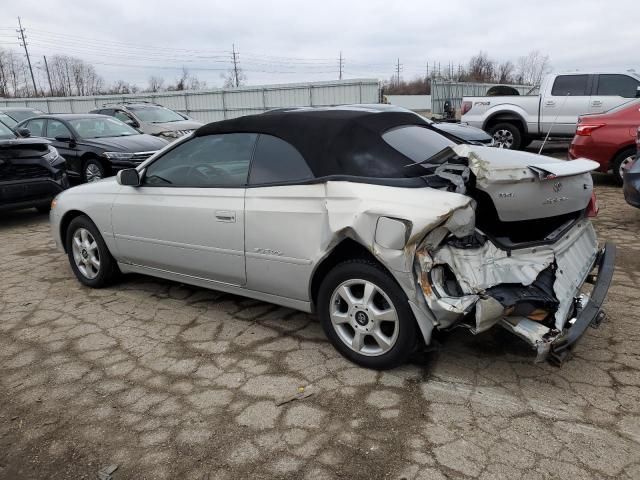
x=169 y=381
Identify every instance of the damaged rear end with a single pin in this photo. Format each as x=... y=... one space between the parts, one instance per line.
x=530 y=262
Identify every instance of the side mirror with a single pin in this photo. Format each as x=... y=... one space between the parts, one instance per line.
x=128 y=177
x=64 y=139
x=24 y=132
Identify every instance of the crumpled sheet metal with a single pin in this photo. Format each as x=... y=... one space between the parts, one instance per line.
x=480 y=268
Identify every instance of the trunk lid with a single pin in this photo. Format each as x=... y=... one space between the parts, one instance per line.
x=526 y=186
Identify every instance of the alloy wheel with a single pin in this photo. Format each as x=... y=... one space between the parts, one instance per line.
x=85 y=253
x=92 y=173
x=503 y=138
x=364 y=317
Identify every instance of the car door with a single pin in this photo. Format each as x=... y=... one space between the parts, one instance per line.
x=187 y=216
x=611 y=90
x=285 y=217
x=36 y=127
x=61 y=137
x=567 y=100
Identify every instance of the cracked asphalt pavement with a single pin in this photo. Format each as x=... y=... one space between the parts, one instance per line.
x=169 y=381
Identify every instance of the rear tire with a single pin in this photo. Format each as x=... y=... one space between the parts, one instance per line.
x=621 y=162
x=366 y=315
x=506 y=135
x=89 y=256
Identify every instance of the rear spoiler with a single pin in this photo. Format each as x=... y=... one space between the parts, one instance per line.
x=564 y=168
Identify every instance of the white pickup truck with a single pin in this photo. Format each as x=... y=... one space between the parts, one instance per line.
x=514 y=121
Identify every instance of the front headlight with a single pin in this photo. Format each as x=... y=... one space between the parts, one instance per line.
x=170 y=134
x=118 y=155
x=52 y=155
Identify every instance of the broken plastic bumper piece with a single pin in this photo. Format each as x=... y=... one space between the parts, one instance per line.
x=590 y=312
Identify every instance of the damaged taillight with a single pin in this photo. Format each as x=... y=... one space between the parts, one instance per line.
x=466 y=106
x=592 y=208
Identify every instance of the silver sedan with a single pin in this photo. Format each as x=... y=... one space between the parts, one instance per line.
x=374 y=220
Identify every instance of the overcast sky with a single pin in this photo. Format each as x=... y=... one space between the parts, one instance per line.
x=288 y=41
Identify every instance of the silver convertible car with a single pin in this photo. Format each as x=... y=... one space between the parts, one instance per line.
x=376 y=221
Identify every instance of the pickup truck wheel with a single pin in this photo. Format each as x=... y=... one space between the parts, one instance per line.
x=366 y=316
x=506 y=135
x=621 y=163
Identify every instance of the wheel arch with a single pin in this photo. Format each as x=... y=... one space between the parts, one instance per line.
x=347 y=249
x=628 y=146
x=506 y=117
x=65 y=221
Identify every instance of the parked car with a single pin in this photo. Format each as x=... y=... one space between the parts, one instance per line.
x=94 y=146
x=151 y=118
x=515 y=121
x=462 y=131
x=375 y=220
x=11 y=116
x=31 y=172
x=631 y=187
x=608 y=138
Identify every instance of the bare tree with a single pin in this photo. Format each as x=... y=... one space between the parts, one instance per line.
x=481 y=68
x=504 y=72
x=229 y=78
x=530 y=69
x=122 y=87
x=156 y=84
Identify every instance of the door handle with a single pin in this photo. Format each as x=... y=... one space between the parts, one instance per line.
x=550 y=103
x=596 y=103
x=226 y=216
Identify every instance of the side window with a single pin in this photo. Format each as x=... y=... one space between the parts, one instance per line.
x=36 y=127
x=276 y=161
x=572 y=85
x=56 y=128
x=618 y=85
x=120 y=115
x=209 y=161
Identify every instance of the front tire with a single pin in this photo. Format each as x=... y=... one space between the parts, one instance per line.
x=89 y=256
x=621 y=163
x=366 y=315
x=506 y=135
x=93 y=170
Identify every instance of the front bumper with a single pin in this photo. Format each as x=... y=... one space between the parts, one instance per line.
x=32 y=192
x=590 y=311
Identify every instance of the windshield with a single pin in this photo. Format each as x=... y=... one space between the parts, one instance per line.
x=101 y=127
x=5 y=132
x=155 y=114
x=7 y=120
x=20 y=115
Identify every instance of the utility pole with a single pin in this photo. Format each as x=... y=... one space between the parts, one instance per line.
x=340 y=65
x=235 y=66
x=46 y=66
x=398 y=67
x=26 y=51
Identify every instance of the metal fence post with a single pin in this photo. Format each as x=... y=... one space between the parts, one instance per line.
x=224 y=107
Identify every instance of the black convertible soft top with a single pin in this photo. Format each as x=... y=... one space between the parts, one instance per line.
x=333 y=142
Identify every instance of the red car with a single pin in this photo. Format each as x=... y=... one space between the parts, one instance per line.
x=608 y=138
